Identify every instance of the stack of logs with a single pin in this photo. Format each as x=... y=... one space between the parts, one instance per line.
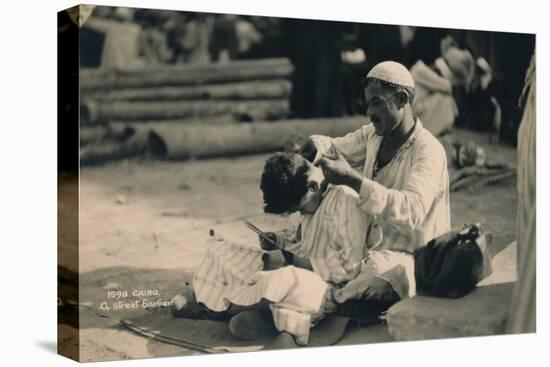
x=189 y=111
x=236 y=91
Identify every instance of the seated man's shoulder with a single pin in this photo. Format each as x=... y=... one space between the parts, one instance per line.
x=341 y=196
x=344 y=191
x=427 y=142
x=339 y=200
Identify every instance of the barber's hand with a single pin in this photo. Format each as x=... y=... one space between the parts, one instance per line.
x=338 y=171
x=308 y=150
x=380 y=290
x=267 y=245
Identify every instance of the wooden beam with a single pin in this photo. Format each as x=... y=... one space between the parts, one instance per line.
x=177 y=141
x=247 y=110
x=184 y=74
x=272 y=89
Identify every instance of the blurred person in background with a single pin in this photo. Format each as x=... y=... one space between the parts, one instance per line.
x=523 y=311
x=224 y=43
x=438 y=84
x=120 y=37
x=478 y=107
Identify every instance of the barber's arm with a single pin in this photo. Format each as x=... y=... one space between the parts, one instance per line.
x=408 y=206
x=352 y=146
x=339 y=172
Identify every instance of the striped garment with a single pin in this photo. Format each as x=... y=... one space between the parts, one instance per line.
x=232 y=274
x=334 y=241
x=333 y=238
x=408 y=198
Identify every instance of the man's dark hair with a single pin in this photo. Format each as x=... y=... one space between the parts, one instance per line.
x=283 y=183
x=411 y=92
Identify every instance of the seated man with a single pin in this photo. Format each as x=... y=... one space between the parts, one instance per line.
x=328 y=241
x=336 y=238
x=404 y=184
x=439 y=85
x=327 y=252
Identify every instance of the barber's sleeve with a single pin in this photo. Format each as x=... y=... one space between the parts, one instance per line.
x=352 y=146
x=408 y=207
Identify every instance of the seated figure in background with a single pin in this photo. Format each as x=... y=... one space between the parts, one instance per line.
x=437 y=86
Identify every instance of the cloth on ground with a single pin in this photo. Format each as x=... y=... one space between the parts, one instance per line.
x=474 y=171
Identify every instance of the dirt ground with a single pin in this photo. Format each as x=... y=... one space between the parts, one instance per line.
x=157 y=217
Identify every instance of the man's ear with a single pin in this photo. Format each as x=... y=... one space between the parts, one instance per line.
x=401 y=99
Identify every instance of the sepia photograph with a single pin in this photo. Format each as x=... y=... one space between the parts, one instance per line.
x=241 y=183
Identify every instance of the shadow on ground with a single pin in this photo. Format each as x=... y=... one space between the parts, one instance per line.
x=102 y=337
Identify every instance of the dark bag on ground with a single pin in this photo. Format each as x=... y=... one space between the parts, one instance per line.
x=451 y=265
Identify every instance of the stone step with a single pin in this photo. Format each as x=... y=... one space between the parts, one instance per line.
x=482 y=312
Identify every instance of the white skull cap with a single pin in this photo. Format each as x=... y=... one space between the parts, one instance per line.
x=392 y=72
